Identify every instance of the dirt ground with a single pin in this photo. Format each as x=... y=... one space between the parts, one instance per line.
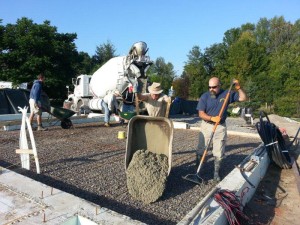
x=277 y=198
x=88 y=161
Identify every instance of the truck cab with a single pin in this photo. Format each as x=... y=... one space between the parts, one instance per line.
x=82 y=93
x=82 y=86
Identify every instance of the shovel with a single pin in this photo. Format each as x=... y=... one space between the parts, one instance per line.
x=195 y=178
x=137 y=108
x=168 y=109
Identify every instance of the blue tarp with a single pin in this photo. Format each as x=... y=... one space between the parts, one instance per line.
x=181 y=106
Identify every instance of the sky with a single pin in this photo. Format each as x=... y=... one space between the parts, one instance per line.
x=170 y=28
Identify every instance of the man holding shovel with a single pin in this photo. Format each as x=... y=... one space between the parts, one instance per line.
x=209 y=106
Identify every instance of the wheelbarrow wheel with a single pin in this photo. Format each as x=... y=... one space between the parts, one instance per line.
x=66 y=124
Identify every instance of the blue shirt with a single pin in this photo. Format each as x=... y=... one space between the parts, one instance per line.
x=212 y=106
x=36 y=90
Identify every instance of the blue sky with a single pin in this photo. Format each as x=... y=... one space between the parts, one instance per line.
x=170 y=28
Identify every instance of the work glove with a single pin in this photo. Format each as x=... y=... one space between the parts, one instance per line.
x=215 y=119
x=236 y=84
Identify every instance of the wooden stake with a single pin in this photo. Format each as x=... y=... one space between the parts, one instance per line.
x=24 y=151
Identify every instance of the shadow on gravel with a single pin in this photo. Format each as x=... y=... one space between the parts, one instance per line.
x=175 y=178
x=8 y=165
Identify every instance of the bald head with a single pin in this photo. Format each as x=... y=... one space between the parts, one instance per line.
x=214 y=85
x=214 y=81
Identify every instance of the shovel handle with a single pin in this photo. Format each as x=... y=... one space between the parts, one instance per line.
x=223 y=108
x=137 y=108
x=168 y=109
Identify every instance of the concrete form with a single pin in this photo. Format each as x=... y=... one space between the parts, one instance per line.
x=14 y=121
x=25 y=201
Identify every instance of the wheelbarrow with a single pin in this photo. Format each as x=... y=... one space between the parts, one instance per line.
x=61 y=114
x=126 y=116
x=154 y=134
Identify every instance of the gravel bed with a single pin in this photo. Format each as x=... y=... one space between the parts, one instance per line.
x=89 y=161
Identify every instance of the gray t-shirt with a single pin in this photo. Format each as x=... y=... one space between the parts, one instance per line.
x=156 y=108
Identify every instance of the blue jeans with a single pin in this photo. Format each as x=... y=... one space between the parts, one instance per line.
x=106 y=111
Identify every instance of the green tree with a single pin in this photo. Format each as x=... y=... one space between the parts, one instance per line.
x=84 y=64
x=247 y=62
x=104 y=52
x=262 y=33
x=196 y=72
x=231 y=36
x=285 y=69
x=181 y=86
x=215 y=61
x=28 y=49
x=162 y=73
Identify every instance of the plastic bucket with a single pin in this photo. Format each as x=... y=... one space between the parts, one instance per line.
x=121 y=135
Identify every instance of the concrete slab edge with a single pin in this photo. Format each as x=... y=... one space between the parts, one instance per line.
x=238 y=133
x=75 y=120
x=18 y=116
x=56 y=205
x=208 y=212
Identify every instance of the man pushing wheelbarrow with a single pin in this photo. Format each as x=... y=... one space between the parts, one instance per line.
x=36 y=107
x=35 y=101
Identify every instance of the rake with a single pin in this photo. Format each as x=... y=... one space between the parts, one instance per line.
x=195 y=178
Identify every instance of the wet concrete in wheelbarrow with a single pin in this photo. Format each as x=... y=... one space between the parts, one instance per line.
x=89 y=162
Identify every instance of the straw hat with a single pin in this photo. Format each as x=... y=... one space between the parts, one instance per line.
x=155 y=88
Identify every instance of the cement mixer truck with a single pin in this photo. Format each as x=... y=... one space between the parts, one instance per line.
x=114 y=76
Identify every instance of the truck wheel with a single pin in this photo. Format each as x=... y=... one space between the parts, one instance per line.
x=72 y=107
x=78 y=108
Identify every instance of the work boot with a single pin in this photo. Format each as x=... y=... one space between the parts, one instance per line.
x=41 y=128
x=217 y=169
x=107 y=125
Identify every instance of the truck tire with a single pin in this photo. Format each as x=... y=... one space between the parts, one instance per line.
x=77 y=108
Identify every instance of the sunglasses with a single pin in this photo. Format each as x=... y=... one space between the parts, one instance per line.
x=213 y=87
